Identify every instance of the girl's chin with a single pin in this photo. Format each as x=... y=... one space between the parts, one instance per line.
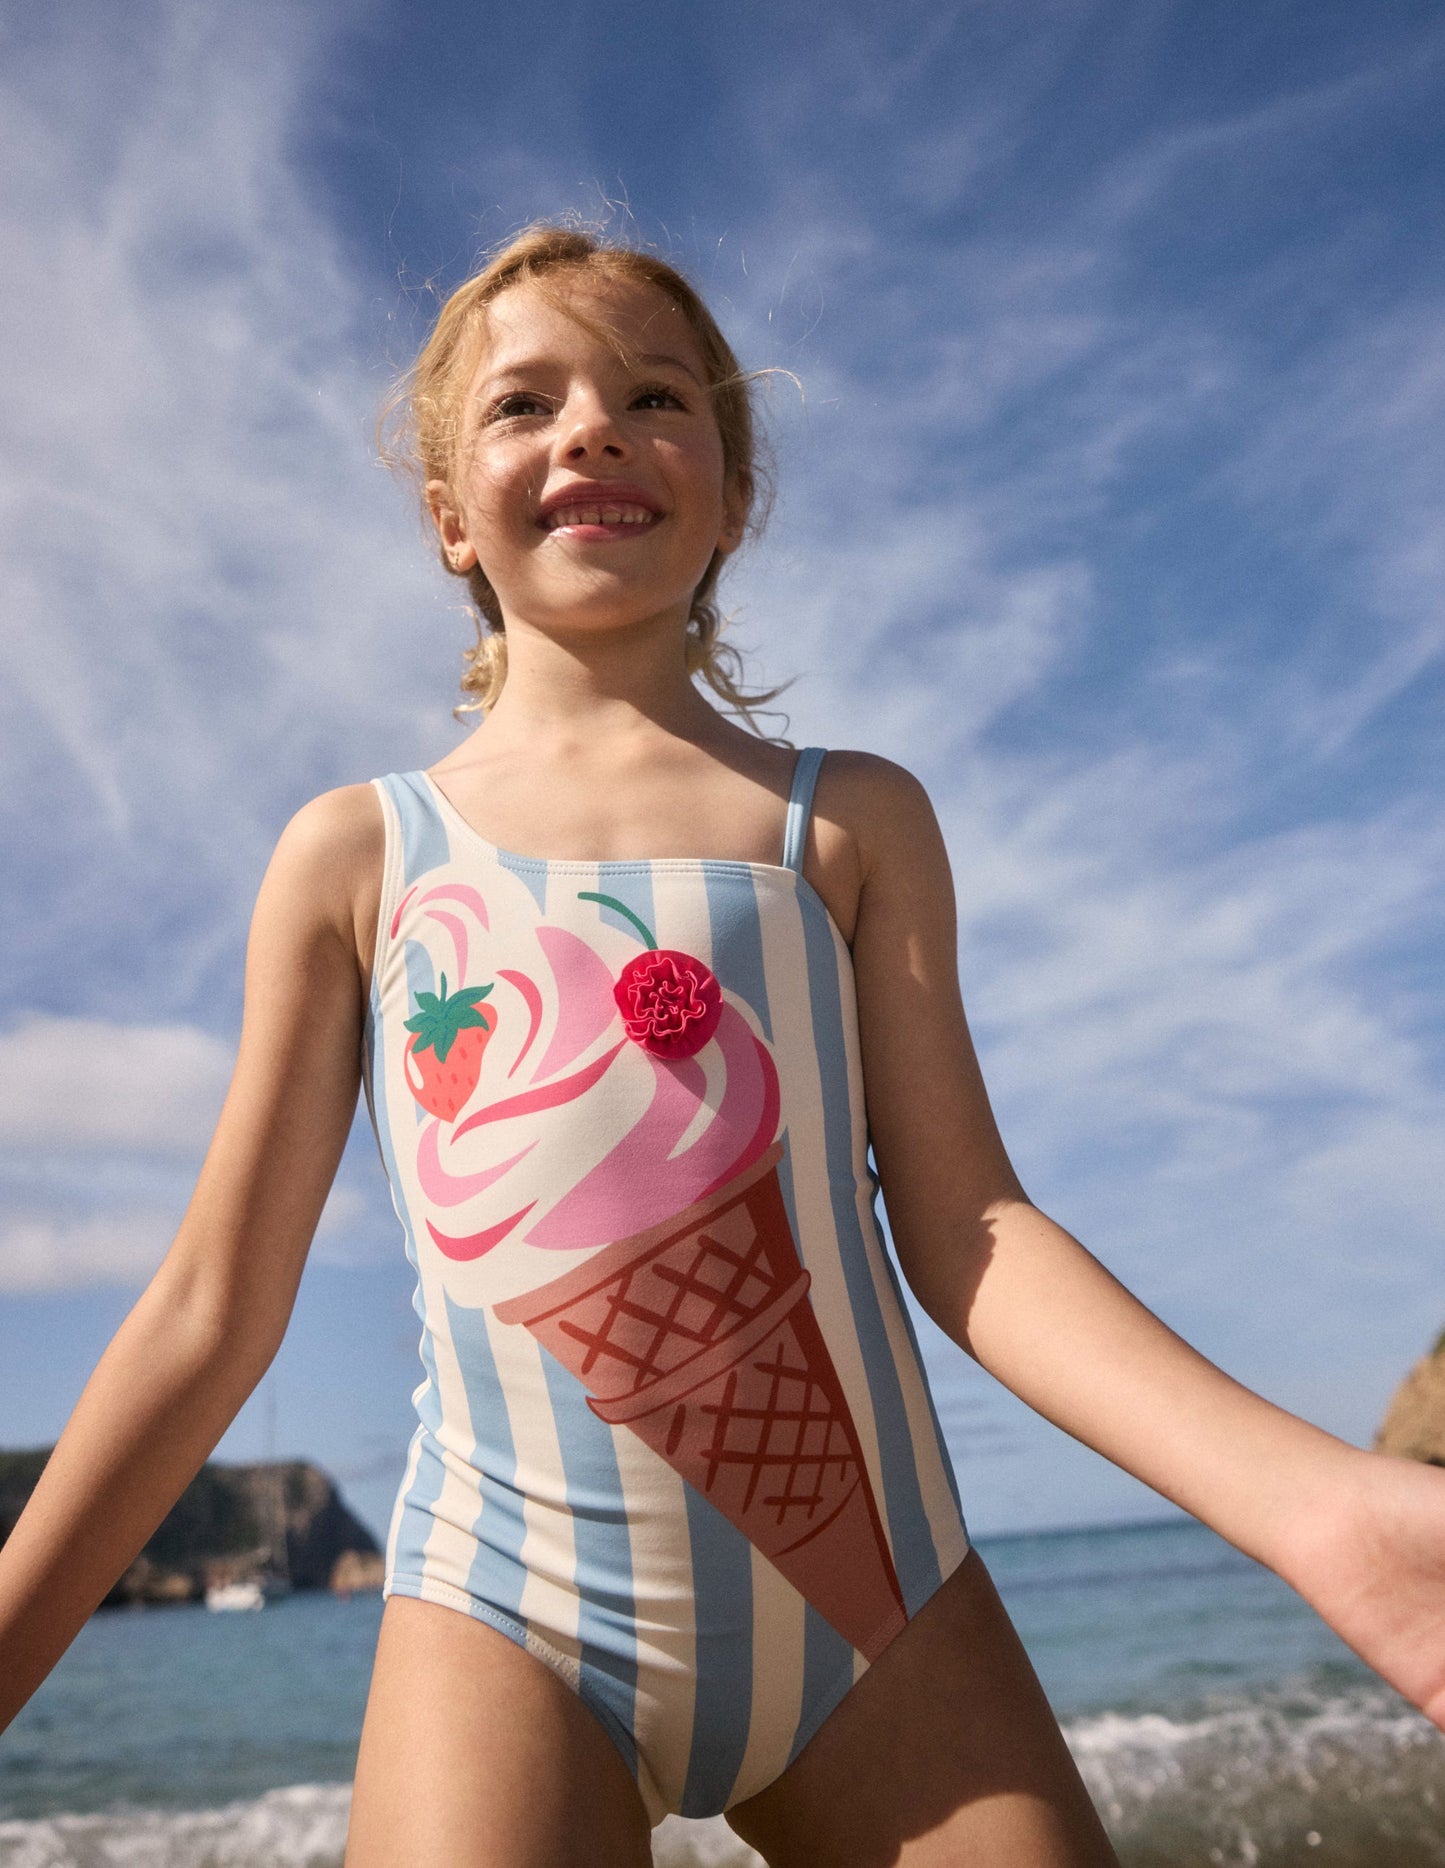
x=603 y=587
x=602 y=603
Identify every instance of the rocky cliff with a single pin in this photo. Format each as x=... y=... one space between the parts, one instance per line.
x=1414 y=1424
x=229 y=1522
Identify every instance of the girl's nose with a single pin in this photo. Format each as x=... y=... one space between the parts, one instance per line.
x=590 y=430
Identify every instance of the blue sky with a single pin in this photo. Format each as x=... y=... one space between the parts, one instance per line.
x=1112 y=504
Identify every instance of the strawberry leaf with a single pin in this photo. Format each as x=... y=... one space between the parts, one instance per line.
x=443 y=1016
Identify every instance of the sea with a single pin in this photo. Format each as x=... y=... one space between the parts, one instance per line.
x=1213 y=1715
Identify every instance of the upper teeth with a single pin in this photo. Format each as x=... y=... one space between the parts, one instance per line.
x=597 y=515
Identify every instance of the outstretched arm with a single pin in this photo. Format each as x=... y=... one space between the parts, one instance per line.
x=206 y=1327
x=1360 y=1536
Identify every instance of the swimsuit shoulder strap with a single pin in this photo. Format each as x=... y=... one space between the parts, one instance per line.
x=800 y=804
x=414 y=822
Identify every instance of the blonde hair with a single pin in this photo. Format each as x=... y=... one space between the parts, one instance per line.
x=421 y=423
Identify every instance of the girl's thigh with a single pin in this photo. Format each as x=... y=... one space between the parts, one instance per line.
x=945 y=1752
x=474 y=1753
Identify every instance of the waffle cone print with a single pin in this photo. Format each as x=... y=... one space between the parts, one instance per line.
x=698 y=1335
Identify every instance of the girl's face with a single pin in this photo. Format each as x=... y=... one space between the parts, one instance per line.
x=589 y=486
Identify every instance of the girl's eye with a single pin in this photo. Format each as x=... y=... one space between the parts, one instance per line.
x=514 y=405
x=521 y=404
x=664 y=395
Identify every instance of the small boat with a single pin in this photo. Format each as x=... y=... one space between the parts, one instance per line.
x=243 y=1594
x=271 y=1582
x=248 y=1592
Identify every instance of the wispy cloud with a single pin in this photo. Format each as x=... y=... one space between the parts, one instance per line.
x=199 y=553
x=45 y=1248
x=43 y=1253
x=89 y=1083
x=1348 y=460
x=103 y=1129
x=204 y=572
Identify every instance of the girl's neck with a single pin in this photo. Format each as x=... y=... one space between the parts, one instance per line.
x=615 y=685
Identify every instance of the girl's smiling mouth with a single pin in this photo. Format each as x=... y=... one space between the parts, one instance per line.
x=599 y=510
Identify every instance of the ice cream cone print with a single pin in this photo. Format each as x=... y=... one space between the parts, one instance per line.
x=699 y=1336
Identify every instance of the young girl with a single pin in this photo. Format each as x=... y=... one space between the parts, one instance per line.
x=630 y=990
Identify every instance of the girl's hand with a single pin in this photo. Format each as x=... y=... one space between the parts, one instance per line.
x=1371 y=1561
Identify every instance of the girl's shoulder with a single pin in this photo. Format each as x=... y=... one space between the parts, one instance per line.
x=864 y=804
x=864 y=782
x=344 y=827
x=336 y=847
x=869 y=799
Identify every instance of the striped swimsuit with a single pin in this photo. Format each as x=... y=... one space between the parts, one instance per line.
x=674 y=1434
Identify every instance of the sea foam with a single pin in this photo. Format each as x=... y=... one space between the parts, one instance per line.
x=303 y=1826
x=1301 y=1779
x=1352 y=1780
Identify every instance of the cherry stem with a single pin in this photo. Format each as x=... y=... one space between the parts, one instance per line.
x=611 y=901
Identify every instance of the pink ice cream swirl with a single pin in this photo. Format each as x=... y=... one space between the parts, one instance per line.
x=661 y=1011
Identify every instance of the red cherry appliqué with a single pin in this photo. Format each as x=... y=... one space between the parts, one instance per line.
x=670 y=1001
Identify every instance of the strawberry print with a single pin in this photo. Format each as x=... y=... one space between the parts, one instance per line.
x=444 y=1053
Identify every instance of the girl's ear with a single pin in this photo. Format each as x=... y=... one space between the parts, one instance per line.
x=737 y=502
x=451 y=527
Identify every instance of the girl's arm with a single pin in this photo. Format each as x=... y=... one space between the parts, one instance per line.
x=1360 y=1536
x=206 y=1327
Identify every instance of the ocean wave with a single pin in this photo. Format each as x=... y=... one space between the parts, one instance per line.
x=1288 y=1779
x=1278 y=1780
x=303 y=1826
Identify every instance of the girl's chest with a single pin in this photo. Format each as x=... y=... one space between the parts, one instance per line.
x=661 y=944
x=691 y=826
